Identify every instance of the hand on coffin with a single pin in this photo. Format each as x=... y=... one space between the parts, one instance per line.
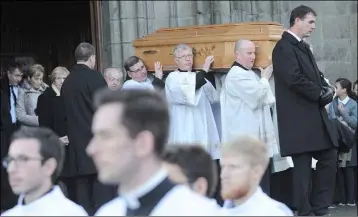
x=267 y=72
x=208 y=61
x=158 y=68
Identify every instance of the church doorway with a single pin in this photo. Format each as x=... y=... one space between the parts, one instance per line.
x=47 y=32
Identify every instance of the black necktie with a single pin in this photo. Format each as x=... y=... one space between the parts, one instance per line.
x=13 y=93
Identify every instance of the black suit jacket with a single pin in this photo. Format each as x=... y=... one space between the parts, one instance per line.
x=78 y=91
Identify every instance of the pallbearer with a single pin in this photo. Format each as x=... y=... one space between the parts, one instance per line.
x=139 y=76
x=245 y=101
x=190 y=96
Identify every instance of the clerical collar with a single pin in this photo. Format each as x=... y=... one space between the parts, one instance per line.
x=294 y=35
x=344 y=101
x=21 y=200
x=132 y=197
x=180 y=70
x=239 y=65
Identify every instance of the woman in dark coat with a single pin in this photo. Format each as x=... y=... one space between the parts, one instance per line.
x=51 y=113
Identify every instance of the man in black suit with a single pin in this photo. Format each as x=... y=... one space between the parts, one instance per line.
x=10 y=81
x=304 y=128
x=78 y=90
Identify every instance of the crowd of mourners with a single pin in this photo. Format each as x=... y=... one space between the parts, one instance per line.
x=186 y=142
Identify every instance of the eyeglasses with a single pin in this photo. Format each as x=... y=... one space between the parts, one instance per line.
x=19 y=161
x=189 y=56
x=138 y=70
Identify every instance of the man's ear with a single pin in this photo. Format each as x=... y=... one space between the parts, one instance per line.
x=176 y=60
x=50 y=166
x=144 y=143
x=257 y=172
x=200 y=186
x=237 y=53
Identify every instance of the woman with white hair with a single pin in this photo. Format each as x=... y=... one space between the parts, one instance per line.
x=51 y=114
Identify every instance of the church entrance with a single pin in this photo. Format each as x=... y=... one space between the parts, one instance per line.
x=47 y=32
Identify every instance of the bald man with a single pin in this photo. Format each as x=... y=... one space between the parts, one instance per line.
x=245 y=101
x=113 y=77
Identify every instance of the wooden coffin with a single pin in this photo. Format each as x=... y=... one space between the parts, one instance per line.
x=218 y=40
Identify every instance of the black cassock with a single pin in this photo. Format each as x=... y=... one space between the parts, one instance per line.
x=150 y=200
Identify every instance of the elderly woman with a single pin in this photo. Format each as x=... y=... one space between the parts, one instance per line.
x=51 y=113
x=28 y=94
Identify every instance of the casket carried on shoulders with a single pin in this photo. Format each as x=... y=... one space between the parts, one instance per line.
x=218 y=40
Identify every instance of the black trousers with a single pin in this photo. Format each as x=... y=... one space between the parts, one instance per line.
x=91 y=194
x=346 y=184
x=314 y=201
x=265 y=183
x=217 y=194
x=8 y=198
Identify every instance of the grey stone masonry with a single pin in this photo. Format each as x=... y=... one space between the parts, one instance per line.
x=334 y=40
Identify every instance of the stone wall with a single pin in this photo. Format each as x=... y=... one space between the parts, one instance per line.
x=334 y=41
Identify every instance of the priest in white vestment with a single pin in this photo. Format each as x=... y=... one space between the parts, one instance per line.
x=243 y=163
x=190 y=96
x=245 y=101
x=140 y=79
x=34 y=162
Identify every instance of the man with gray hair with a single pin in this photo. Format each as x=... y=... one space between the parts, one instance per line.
x=113 y=77
x=245 y=101
x=190 y=95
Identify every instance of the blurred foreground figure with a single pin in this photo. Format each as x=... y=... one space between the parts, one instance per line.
x=243 y=163
x=130 y=131
x=191 y=165
x=34 y=163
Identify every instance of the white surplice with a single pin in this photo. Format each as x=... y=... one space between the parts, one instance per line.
x=132 y=84
x=280 y=163
x=192 y=119
x=259 y=204
x=245 y=101
x=179 y=201
x=53 y=203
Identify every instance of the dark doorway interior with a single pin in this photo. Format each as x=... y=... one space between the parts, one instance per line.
x=43 y=32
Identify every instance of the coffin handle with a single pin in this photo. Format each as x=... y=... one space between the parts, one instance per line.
x=150 y=52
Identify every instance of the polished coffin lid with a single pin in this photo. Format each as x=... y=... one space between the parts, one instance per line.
x=218 y=40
